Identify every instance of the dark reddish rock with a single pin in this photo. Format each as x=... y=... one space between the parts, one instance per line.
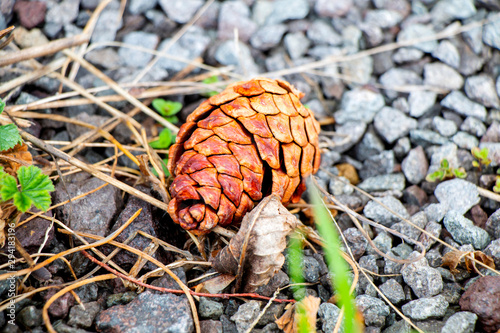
x=148 y=313
x=144 y=222
x=414 y=195
x=211 y=326
x=483 y=299
x=30 y=13
x=60 y=307
x=478 y=216
x=32 y=234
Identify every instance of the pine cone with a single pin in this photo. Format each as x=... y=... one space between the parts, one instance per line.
x=253 y=139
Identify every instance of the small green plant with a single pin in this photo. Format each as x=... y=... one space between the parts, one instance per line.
x=9 y=134
x=31 y=187
x=446 y=172
x=210 y=80
x=482 y=157
x=165 y=139
x=168 y=109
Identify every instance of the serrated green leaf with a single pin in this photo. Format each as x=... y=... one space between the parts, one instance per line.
x=9 y=136
x=164 y=140
x=2 y=105
x=8 y=186
x=35 y=189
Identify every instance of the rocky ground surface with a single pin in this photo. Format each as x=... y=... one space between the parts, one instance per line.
x=401 y=112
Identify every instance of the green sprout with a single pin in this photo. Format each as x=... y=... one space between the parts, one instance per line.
x=482 y=157
x=168 y=109
x=210 y=80
x=446 y=172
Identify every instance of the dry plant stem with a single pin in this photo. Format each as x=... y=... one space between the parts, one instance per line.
x=32 y=75
x=134 y=101
x=263 y=311
x=488 y=194
x=90 y=169
x=45 y=310
x=177 y=291
x=40 y=51
x=174 y=39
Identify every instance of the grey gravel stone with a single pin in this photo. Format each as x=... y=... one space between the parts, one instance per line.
x=137 y=58
x=210 y=309
x=339 y=186
x=393 y=291
x=360 y=70
x=415 y=165
x=419 y=219
x=447 y=53
x=354 y=130
x=394 y=181
x=481 y=88
x=439 y=153
x=373 y=309
x=459 y=103
x=245 y=315
x=397 y=78
x=432 y=228
x=383 y=242
x=465 y=140
x=180 y=11
x=356 y=242
x=491 y=31
x=460 y=322
x=107 y=58
x=473 y=126
x=443 y=76
x=235 y=15
x=424 y=280
x=30 y=316
x=448 y=10
x=464 y=231
x=379 y=214
x=425 y=308
x=383 y=18
x=402 y=147
x=320 y=32
x=107 y=24
x=368 y=146
x=382 y=163
x=137 y=7
x=493 y=224
x=268 y=36
x=407 y=54
x=426 y=138
x=297 y=44
x=457 y=194
x=393 y=124
x=359 y=104
x=284 y=10
x=415 y=31
x=63 y=13
x=79 y=317
x=226 y=56
x=327 y=8
x=493 y=250
x=444 y=127
x=311 y=269
x=329 y=314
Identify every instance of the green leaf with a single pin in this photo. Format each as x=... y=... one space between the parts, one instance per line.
x=435 y=175
x=460 y=173
x=35 y=188
x=8 y=186
x=496 y=189
x=9 y=136
x=211 y=79
x=2 y=105
x=166 y=108
x=164 y=140
x=164 y=163
x=483 y=153
x=445 y=164
x=475 y=164
x=475 y=152
x=172 y=119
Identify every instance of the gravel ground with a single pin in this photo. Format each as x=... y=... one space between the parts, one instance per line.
x=401 y=112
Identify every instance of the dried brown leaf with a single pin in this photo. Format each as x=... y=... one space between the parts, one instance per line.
x=454 y=258
x=258 y=245
x=348 y=171
x=216 y=284
x=308 y=307
x=12 y=159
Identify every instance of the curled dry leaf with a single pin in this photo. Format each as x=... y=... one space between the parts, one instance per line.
x=454 y=258
x=307 y=307
x=255 y=253
x=12 y=159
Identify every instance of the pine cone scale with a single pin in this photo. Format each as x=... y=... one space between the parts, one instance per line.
x=253 y=132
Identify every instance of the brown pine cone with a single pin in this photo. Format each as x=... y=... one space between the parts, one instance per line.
x=253 y=139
